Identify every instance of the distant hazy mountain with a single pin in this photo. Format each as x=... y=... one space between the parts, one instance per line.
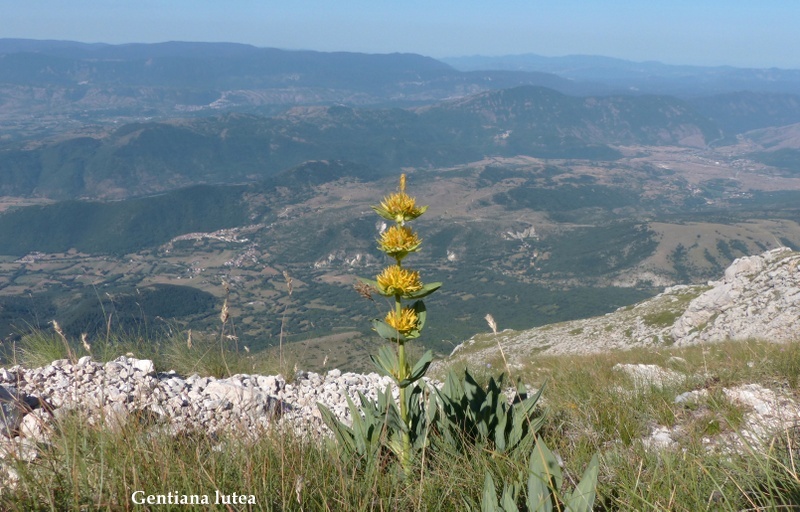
x=152 y=157
x=648 y=77
x=61 y=82
x=535 y=120
x=739 y=112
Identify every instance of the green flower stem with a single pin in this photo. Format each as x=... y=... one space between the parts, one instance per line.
x=405 y=457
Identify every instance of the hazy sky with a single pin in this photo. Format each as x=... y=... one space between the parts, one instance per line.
x=751 y=33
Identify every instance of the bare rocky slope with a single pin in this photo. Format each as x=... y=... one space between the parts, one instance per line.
x=758 y=297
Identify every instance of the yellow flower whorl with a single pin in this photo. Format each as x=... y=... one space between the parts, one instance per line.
x=395 y=280
x=398 y=241
x=405 y=322
x=400 y=207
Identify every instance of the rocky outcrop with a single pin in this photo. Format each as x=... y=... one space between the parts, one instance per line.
x=765 y=413
x=759 y=297
x=130 y=391
x=121 y=390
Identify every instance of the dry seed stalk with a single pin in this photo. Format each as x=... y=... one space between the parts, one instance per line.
x=60 y=332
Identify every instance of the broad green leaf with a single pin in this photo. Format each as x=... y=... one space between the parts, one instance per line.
x=419 y=309
x=509 y=500
x=531 y=401
x=544 y=476
x=426 y=290
x=473 y=392
x=500 y=433
x=360 y=431
x=423 y=363
x=344 y=434
x=386 y=331
x=419 y=369
x=489 y=497
x=386 y=362
x=521 y=388
x=582 y=497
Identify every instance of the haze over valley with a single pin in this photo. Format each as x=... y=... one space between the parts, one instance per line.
x=139 y=180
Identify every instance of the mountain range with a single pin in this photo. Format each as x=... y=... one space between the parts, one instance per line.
x=142 y=158
x=135 y=176
x=648 y=77
x=49 y=86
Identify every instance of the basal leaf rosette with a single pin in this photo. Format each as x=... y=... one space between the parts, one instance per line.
x=398 y=241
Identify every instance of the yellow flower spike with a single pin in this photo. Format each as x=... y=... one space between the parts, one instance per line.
x=398 y=241
x=405 y=322
x=395 y=280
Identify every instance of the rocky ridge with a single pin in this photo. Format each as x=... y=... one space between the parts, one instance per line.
x=758 y=297
x=113 y=392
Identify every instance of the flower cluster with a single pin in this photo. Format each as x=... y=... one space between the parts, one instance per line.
x=399 y=207
x=404 y=322
x=395 y=280
x=397 y=242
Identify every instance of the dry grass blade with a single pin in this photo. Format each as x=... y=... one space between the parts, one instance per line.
x=85 y=343
x=63 y=337
x=224 y=314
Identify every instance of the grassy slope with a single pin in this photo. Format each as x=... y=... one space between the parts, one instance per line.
x=590 y=407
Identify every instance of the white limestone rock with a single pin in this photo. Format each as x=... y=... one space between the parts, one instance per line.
x=646 y=375
x=759 y=297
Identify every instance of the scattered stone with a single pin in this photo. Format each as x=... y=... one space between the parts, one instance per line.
x=127 y=389
x=660 y=439
x=143 y=365
x=768 y=413
x=18 y=448
x=36 y=426
x=690 y=397
x=13 y=407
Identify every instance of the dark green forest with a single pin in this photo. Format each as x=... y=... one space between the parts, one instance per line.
x=120 y=227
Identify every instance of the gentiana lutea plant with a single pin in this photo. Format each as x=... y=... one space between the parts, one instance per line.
x=404 y=322
x=462 y=413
